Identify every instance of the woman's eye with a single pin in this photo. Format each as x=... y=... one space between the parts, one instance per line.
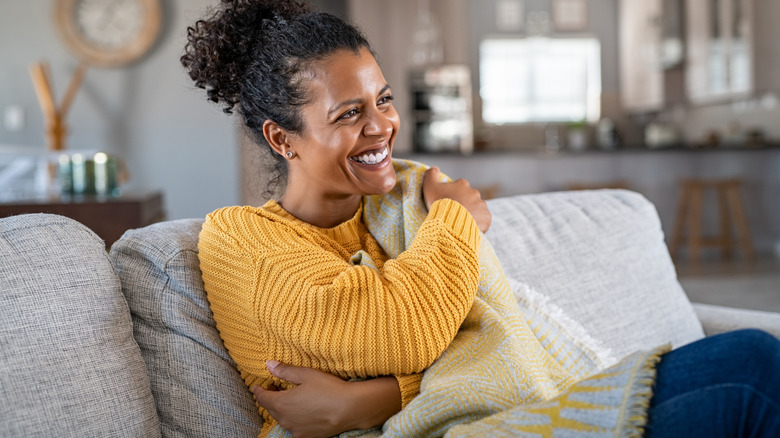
x=349 y=114
x=385 y=100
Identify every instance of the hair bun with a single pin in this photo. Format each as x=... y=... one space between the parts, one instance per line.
x=219 y=48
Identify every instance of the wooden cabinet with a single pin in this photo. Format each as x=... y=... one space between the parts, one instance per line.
x=108 y=217
x=720 y=45
x=716 y=62
x=641 y=73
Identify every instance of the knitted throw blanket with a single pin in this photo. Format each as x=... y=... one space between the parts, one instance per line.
x=507 y=372
x=500 y=377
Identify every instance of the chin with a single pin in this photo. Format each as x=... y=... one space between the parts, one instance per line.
x=385 y=186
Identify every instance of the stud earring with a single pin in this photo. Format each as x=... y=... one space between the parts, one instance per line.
x=289 y=154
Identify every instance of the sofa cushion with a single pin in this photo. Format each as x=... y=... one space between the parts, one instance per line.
x=594 y=262
x=69 y=365
x=196 y=385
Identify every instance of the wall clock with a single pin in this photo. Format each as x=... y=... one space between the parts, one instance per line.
x=109 y=33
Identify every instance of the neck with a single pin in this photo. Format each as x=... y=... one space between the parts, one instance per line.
x=320 y=211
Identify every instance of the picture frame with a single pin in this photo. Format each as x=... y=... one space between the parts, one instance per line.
x=570 y=15
x=510 y=15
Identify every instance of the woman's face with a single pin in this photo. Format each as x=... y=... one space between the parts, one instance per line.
x=349 y=129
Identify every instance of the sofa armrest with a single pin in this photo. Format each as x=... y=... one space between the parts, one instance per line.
x=719 y=319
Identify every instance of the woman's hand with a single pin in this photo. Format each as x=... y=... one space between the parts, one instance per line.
x=460 y=191
x=323 y=405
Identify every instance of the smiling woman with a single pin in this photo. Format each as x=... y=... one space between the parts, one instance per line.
x=309 y=89
x=368 y=272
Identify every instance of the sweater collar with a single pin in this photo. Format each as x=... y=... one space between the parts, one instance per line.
x=349 y=230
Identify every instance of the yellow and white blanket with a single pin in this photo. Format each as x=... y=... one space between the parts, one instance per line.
x=508 y=372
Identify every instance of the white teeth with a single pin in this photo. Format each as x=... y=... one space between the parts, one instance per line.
x=371 y=158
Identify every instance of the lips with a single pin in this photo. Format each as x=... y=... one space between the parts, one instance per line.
x=371 y=157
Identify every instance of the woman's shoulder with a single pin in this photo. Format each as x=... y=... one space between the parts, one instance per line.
x=240 y=221
x=234 y=215
x=255 y=228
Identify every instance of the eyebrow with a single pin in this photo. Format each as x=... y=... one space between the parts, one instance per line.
x=354 y=101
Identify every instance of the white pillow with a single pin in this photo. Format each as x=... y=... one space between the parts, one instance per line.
x=594 y=262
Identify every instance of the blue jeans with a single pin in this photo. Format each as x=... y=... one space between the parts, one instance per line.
x=722 y=386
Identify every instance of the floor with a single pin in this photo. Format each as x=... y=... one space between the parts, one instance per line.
x=736 y=283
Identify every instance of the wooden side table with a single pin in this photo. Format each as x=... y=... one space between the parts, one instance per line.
x=108 y=217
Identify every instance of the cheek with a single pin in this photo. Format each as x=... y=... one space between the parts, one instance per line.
x=394 y=119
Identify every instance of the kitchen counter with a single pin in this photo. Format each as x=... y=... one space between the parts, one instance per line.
x=632 y=149
x=655 y=173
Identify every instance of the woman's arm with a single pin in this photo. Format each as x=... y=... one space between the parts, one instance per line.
x=393 y=318
x=323 y=405
x=272 y=285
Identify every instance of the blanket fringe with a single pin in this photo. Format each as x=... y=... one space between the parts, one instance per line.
x=639 y=397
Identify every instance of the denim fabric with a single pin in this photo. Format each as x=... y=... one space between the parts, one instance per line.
x=726 y=385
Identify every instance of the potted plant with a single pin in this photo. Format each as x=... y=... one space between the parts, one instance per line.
x=578 y=135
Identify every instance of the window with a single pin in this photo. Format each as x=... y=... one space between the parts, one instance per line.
x=540 y=80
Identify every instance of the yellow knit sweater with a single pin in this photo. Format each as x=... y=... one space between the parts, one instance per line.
x=330 y=299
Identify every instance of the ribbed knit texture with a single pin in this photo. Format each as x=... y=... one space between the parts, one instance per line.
x=331 y=299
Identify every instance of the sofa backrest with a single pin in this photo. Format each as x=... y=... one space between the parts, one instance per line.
x=197 y=388
x=69 y=365
x=594 y=263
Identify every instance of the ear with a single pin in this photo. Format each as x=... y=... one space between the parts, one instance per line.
x=276 y=137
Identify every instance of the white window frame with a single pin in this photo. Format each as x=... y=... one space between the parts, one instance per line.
x=520 y=77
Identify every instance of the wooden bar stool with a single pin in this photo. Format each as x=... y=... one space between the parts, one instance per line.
x=730 y=211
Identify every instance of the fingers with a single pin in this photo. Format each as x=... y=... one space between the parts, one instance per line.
x=431 y=176
x=284 y=371
x=262 y=396
x=431 y=173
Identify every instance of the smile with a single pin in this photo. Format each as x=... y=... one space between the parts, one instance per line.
x=371 y=158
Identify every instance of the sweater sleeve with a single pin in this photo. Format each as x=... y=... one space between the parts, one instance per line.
x=410 y=387
x=313 y=308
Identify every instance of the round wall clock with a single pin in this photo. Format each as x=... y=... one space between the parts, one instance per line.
x=109 y=33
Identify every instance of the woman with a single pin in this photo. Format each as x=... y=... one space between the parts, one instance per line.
x=358 y=310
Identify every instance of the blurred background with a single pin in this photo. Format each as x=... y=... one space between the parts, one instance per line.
x=674 y=99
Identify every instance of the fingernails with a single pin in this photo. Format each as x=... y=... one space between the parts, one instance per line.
x=271 y=364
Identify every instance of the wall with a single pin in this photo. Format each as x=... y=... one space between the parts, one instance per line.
x=149 y=114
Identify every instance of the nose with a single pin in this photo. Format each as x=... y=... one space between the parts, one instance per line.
x=379 y=123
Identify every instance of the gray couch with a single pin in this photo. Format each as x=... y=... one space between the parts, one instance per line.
x=122 y=344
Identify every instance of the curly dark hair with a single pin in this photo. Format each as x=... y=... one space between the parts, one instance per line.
x=253 y=55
